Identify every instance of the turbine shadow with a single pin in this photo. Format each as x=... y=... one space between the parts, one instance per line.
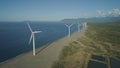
x=42 y=48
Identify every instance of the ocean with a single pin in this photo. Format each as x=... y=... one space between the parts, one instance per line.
x=14 y=36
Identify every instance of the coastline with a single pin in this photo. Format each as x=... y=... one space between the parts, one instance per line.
x=40 y=48
x=45 y=56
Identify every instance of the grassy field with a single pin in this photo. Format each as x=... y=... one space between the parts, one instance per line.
x=101 y=39
x=72 y=56
x=106 y=34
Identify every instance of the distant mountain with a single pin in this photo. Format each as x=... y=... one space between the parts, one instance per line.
x=93 y=20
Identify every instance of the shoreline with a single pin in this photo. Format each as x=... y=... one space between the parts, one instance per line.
x=39 y=48
x=44 y=57
x=23 y=54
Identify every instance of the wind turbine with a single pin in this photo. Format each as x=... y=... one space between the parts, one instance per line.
x=68 y=26
x=32 y=37
x=78 y=27
x=85 y=25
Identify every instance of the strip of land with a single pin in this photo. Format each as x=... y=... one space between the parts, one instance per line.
x=44 y=58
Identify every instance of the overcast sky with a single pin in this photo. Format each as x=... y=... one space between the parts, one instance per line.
x=54 y=10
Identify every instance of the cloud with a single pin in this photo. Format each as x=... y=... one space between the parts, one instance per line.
x=101 y=13
x=111 y=13
x=114 y=12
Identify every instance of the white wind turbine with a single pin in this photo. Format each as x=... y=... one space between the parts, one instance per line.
x=78 y=27
x=84 y=25
x=32 y=37
x=68 y=26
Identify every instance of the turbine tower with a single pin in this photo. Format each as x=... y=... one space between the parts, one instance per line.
x=78 y=27
x=32 y=37
x=68 y=26
x=85 y=25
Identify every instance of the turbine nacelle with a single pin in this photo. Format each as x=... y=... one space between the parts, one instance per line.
x=68 y=25
x=32 y=34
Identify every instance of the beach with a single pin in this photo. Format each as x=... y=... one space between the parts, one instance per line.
x=45 y=56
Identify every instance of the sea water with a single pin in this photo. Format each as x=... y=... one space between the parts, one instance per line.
x=14 y=36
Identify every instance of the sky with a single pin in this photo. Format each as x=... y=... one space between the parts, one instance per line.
x=55 y=10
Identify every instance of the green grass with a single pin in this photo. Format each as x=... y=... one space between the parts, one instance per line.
x=69 y=50
x=66 y=51
x=106 y=34
x=58 y=64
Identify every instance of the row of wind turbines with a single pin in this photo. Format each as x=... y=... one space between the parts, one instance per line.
x=69 y=26
x=32 y=37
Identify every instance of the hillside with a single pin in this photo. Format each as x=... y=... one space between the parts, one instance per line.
x=93 y=20
x=108 y=35
x=96 y=49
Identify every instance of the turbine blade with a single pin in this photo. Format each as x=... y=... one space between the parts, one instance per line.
x=37 y=31
x=70 y=25
x=66 y=25
x=30 y=38
x=29 y=27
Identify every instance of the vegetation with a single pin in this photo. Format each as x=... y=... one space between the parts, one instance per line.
x=100 y=39
x=72 y=56
x=105 y=32
x=108 y=35
x=69 y=50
